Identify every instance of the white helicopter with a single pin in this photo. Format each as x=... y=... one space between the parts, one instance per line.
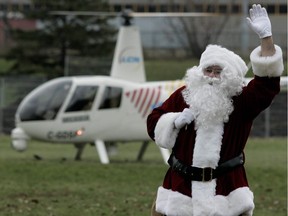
x=97 y=109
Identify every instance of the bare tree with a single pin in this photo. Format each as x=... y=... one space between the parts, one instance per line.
x=195 y=33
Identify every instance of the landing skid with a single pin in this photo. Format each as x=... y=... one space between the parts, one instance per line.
x=103 y=153
x=80 y=147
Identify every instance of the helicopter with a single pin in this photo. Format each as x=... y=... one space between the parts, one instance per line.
x=96 y=109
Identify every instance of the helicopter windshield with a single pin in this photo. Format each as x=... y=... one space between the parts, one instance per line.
x=46 y=101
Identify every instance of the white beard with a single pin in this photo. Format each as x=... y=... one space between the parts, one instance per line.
x=208 y=98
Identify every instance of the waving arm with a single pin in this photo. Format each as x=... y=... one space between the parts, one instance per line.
x=260 y=23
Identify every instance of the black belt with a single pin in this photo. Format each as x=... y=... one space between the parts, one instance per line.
x=207 y=173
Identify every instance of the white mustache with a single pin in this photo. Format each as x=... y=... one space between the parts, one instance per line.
x=211 y=80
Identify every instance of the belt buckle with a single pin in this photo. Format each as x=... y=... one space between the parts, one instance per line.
x=210 y=175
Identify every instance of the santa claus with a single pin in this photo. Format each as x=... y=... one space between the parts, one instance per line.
x=206 y=124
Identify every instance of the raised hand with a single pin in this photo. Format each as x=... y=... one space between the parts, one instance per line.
x=259 y=21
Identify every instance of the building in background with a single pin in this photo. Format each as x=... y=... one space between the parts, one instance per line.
x=219 y=6
x=162 y=38
x=158 y=33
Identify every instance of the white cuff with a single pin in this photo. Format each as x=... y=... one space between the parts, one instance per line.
x=271 y=66
x=165 y=131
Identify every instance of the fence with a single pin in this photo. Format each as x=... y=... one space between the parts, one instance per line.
x=271 y=122
x=12 y=91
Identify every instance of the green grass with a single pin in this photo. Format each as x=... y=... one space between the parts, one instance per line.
x=172 y=69
x=58 y=185
x=167 y=69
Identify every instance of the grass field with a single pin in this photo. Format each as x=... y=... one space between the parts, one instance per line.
x=172 y=69
x=59 y=186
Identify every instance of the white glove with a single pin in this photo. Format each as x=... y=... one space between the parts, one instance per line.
x=259 y=22
x=185 y=117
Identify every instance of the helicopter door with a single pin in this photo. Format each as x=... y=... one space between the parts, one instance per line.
x=109 y=115
x=82 y=99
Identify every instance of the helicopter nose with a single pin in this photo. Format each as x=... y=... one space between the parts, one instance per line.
x=19 y=139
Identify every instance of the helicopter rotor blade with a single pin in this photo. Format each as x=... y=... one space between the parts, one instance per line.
x=84 y=13
x=129 y=13
x=172 y=14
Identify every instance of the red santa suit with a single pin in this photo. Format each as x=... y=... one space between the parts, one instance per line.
x=210 y=141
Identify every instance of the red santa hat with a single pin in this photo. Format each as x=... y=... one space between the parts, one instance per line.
x=217 y=55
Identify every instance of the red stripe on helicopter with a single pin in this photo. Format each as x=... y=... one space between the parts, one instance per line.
x=152 y=105
x=149 y=103
x=158 y=96
x=144 y=100
x=134 y=94
x=145 y=97
x=139 y=97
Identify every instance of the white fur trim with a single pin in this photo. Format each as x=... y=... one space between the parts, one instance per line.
x=208 y=145
x=206 y=154
x=165 y=131
x=238 y=202
x=271 y=66
x=173 y=203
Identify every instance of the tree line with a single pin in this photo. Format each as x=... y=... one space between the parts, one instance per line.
x=44 y=49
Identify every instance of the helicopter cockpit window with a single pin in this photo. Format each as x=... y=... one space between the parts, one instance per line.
x=82 y=99
x=45 y=103
x=111 y=98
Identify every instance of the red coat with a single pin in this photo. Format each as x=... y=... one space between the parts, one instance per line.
x=229 y=194
x=254 y=98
